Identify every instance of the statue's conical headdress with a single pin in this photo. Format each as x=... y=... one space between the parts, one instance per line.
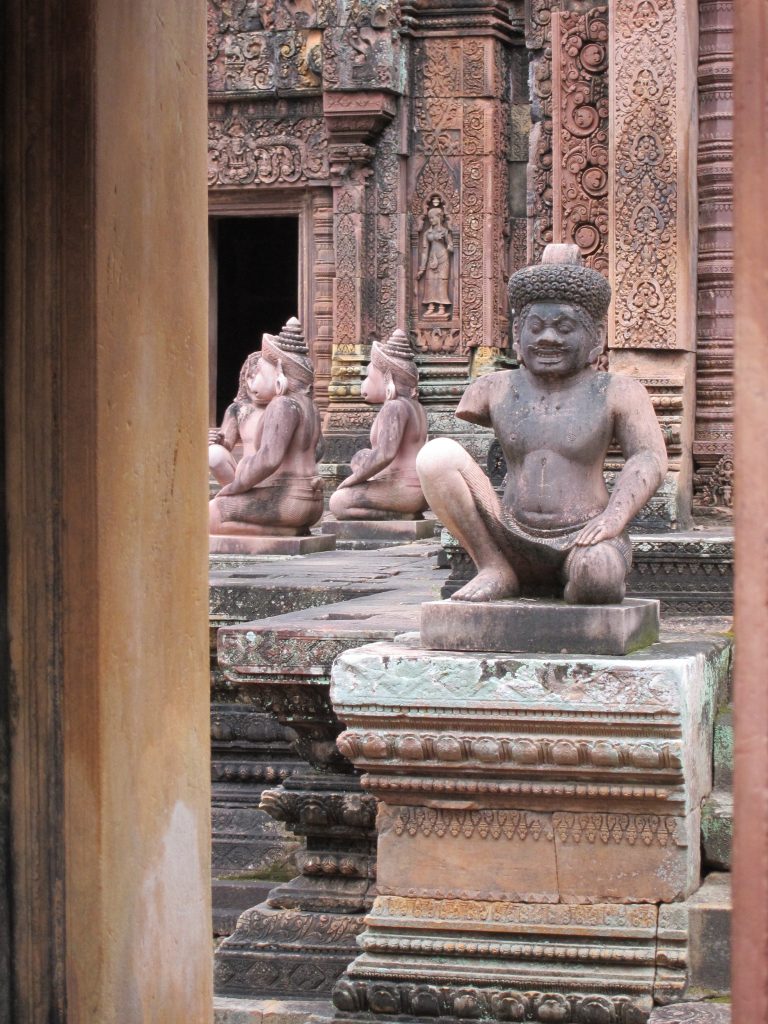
x=395 y=356
x=560 y=277
x=290 y=348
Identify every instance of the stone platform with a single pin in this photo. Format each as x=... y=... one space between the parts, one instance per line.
x=529 y=625
x=364 y=534
x=232 y=544
x=689 y=571
x=302 y=937
x=537 y=817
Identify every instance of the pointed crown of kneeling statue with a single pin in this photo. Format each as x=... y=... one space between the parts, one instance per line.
x=288 y=349
x=560 y=277
x=395 y=357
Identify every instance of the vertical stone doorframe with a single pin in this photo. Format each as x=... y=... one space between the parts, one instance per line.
x=750 y=853
x=314 y=210
x=105 y=376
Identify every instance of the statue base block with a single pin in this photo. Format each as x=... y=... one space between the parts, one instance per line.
x=529 y=625
x=538 y=828
x=369 y=533
x=242 y=544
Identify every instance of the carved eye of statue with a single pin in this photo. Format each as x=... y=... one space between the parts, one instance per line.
x=565 y=326
x=535 y=324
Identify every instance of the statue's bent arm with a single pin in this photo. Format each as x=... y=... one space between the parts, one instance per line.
x=638 y=433
x=230 y=429
x=281 y=419
x=391 y=423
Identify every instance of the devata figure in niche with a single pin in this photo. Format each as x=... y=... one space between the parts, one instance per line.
x=436 y=257
x=384 y=483
x=556 y=531
x=275 y=489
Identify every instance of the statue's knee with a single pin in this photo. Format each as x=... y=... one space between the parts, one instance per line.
x=439 y=456
x=596 y=575
x=339 y=502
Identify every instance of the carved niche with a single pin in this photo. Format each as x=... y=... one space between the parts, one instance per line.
x=459 y=200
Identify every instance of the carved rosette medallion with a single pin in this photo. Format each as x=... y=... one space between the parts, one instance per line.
x=580 y=132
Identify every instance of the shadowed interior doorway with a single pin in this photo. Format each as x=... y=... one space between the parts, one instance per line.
x=256 y=290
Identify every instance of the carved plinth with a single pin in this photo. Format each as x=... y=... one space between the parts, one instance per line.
x=538 y=625
x=535 y=813
x=301 y=939
x=230 y=544
x=369 y=533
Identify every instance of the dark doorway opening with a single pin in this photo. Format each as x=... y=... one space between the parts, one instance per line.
x=258 y=290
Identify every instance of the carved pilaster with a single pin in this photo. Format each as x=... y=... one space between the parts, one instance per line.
x=713 y=442
x=323 y=272
x=580 y=132
x=652 y=218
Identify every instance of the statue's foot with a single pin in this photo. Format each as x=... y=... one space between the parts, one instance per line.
x=490 y=585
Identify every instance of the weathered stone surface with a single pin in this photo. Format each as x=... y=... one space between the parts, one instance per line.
x=717 y=829
x=692 y=1013
x=231 y=898
x=534 y=814
x=233 y=544
x=539 y=625
x=281 y=665
x=227 y=1010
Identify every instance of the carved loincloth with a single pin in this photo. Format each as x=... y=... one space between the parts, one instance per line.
x=290 y=502
x=539 y=548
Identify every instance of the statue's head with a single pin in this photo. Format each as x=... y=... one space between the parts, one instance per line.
x=392 y=370
x=558 y=309
x=247 y=375
x=285 y=367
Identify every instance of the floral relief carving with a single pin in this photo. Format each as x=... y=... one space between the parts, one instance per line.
x=644 y=236
x=252 y=150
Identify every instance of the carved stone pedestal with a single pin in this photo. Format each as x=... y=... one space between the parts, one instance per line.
x=370 y=533
x=300 y=940
x=536 y=812
x=232 y=544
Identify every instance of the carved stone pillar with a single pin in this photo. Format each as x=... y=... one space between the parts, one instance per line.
x=323 y=270
x=713 y=443
x=353 y=121
x=652 y=235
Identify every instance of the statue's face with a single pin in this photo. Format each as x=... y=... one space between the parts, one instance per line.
x=374 y=387
x=435 y=216
x=555 y=340
x=262 y=382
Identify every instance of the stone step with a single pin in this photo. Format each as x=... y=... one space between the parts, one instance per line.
x=717 y=829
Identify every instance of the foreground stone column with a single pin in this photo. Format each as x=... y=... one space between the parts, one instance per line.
x=750 y=855
x=105 y=375
x=537 y=816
